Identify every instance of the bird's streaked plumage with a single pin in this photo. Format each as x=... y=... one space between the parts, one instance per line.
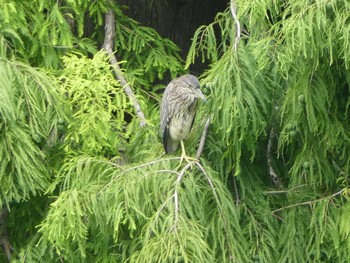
x=178 y=109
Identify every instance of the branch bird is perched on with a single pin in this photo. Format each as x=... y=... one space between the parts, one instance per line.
x=177 y=112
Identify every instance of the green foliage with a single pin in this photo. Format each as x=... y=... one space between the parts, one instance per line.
x=240 y=107
x=96 y=104
x=289 y=80
x=117 y=208
x=28 y=106
x=84 y=183
x=40 y=32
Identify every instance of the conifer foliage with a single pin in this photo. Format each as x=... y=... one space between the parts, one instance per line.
x=83 y=182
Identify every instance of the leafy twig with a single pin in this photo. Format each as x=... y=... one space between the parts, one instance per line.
x=233 y=10
x=108 y=46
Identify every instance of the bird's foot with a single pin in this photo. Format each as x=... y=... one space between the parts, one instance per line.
x=190 y=160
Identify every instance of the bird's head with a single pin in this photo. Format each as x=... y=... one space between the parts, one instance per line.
x=193 y=86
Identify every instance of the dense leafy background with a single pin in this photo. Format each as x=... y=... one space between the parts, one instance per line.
x=84 y=183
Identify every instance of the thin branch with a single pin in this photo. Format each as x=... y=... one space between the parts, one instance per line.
x=108 y=46
x=311 y=201
x=285 y=191
x=233 y=10
x=202 y=141
x=273 y=174
x=147 y=164
x=162 y=207
x=209 y=181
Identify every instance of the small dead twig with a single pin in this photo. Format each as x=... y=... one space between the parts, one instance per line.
x=233 y=9
x=4 y=240
x=285 y=191
x=108 y=46
x=311 y=201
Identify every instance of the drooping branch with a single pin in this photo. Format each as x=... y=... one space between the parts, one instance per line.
x=108 y=46
x=4 y=241
x=233 y=9
x=217 y=199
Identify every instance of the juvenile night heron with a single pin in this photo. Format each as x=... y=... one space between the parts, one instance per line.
x=177 y=112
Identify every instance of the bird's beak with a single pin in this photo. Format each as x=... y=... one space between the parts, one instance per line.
x=201 y=95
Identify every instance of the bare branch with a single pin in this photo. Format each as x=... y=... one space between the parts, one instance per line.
x=233 y=10
x=108 y=46
x=311 y=201
x=202 y=141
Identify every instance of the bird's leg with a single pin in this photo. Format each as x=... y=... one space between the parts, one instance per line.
x=184 y=155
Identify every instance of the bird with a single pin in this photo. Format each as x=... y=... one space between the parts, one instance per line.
x=177 y=112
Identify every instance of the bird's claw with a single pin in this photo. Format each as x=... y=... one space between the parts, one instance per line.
x=188 y=159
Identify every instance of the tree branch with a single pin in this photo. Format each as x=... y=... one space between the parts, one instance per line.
x=233 y=10
x=202 y=141
x=108 y=46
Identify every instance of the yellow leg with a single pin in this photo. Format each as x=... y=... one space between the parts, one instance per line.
x=184 y=155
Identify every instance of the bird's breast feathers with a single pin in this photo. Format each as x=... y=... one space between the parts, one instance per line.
x=180 y=125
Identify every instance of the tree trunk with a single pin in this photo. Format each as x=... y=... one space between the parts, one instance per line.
x=175 y=19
